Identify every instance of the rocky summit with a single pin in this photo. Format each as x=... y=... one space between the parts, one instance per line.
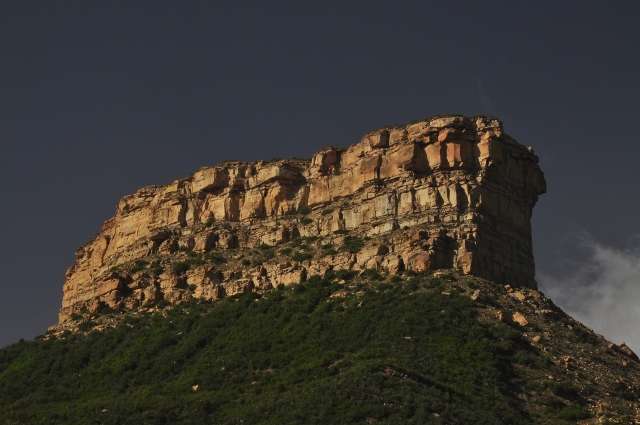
x=445 y=192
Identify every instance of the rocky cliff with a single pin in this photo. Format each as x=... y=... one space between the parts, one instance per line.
x=446 y=192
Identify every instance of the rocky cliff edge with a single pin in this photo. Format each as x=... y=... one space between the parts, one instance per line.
x=446 y=192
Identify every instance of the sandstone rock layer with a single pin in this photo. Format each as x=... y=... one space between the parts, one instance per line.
x=446 y=192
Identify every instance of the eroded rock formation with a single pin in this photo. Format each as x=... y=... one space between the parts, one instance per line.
x=447 y=192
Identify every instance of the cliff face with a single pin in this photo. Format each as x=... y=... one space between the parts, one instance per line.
x=450 y=192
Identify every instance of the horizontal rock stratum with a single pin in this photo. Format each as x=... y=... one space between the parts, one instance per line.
x=446 y=192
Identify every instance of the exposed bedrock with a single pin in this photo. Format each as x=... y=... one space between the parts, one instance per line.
x=448 y=192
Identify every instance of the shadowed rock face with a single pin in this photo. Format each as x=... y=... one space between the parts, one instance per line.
x=451 y=192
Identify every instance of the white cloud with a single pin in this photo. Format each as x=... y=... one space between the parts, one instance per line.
x=602 y=290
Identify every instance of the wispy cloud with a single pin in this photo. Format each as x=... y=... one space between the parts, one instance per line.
x=485 y=102
x=602 y=290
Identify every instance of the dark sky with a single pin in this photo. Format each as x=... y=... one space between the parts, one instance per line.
x=98 y=99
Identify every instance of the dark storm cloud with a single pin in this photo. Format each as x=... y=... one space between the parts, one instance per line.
x=98 y=99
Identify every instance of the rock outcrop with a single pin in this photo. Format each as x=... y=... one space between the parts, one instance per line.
x=446 y=192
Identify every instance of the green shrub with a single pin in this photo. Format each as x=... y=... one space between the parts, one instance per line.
x=264 y=246
x=215 y=257
x=304 y=210
x=162 y=303
x=268 y=255
x=246 y=262
x=209 y=222
x=384 y=286
x=85 y=326
x=564 y=390
x=327 y=246
x=526 y=358
x=329 y=251
x=372 y=274
x=192 y=288
x=580 y=335
x=327 y=211
x=180 y=267
x=413 y=284
x=107 y=310
x=301 y=256
x=573 y=413
x=352 y=244
x=157 y=270
x=139 y=265
x=286 y=251
x=314 y=279
x=306 y=220
x=195 y=261
x=76 y=316
x=341 y=274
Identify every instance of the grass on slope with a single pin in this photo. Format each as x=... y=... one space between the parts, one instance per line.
x=297 y=356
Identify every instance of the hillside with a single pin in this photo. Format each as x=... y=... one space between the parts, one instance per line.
x=423 y=348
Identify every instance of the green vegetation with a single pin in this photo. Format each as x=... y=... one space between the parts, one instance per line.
x=301 y=256
x=372 y=275
x=300 y=241
x=580 y=335
x=85 y=326
x=193 y=260
x=327 y=211
x=180 y=267
x=209 y=222
x=286 y=251
x=352 y=244
x=386 y=356
x=214 y=257
x=157 y=269
x=139 y=265
x=162 y=303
